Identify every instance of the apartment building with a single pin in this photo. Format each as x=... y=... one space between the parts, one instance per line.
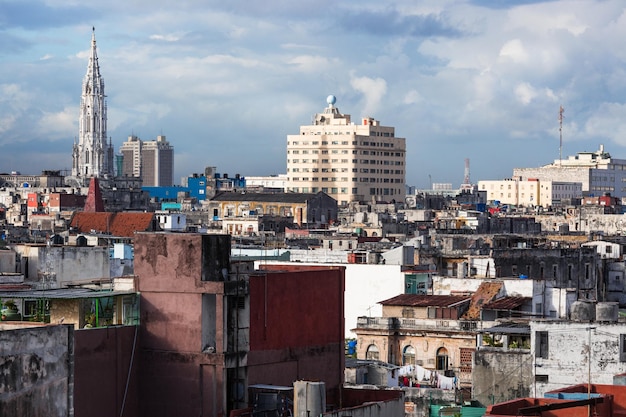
x=531 y=192
x=598 y=172
x=348 y=161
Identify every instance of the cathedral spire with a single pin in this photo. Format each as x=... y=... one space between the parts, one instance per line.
x=91 y=156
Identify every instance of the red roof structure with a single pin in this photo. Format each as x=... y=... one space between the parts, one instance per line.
x=94 y=203
x=123 y=224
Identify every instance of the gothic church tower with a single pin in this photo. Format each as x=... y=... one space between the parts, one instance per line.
x=92 y=156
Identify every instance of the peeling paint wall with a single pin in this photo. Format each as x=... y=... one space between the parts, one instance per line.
x=500 y=375
x=569 y=360
x=63 y=264
x=36 y=378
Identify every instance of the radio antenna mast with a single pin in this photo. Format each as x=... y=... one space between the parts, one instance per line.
x=561 y=110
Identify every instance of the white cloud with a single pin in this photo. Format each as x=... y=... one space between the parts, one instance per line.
x=373 y=90
x=515 y=51
x=525 y=93
x=59 y=125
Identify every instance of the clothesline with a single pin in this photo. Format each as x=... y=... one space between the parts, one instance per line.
x=435 y=379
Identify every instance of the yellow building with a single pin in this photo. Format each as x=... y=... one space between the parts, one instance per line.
x=530 y=192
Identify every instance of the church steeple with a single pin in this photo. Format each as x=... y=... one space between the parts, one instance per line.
x=91 y=155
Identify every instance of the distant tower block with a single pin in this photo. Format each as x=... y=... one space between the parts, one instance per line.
x=467 y=184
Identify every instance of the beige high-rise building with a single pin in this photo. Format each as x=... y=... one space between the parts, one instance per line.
x=348 y=161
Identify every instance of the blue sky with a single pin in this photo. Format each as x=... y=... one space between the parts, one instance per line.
x=226 y=82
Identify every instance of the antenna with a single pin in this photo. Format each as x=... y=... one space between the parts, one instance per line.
x=561 y=110
x=467 y=184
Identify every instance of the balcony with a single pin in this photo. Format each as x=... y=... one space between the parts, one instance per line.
x=413 y=324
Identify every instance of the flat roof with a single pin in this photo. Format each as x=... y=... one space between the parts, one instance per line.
x=63 y=293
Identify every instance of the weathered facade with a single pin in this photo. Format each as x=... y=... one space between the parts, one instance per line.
x=55 y=266
x=211 y=327
x=592 y=350
x=313 y=210
x=37 y=377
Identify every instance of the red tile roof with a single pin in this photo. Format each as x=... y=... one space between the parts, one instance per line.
x=123 y=224
x=418 y=300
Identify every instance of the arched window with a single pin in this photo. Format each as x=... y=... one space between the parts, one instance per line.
x=442 y=359
x=408 y=355
x=372 y=352
x=86 y=157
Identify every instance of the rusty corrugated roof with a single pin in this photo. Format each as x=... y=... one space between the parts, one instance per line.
x=419 y=300
x=507 y=303
x=123 y=224
x=485 y=293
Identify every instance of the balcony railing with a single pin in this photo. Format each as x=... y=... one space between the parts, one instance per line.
x=398 y=323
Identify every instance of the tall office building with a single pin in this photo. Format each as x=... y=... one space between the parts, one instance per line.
x=152 y=161
x=157 y=163
x=91 y=155
x=131 y=157
x=348 y=161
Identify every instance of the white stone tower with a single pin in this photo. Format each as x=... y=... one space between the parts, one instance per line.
x=92 y=156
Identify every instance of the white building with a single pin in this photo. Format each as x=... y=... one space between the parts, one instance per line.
x=173 y=222
x=530 y=192
x=92 y=156
x=271 y=182
x=597 y=171
x=566 y=353
x=349 y=162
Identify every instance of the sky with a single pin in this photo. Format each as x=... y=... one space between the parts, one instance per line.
x=226 y=82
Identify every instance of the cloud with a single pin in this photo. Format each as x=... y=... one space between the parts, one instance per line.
x=59 y=125
x=373 y=90
x=525 y=93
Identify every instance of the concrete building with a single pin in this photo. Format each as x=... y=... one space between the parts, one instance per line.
x=157 y=163
x=597 y=171
x=425 y=331
x=92 y=155
x=270 y=183
x=131 y=157
x=531 y=192
x=348 y=161
x=37 y=377
x=152 y=161
x=593 y=344
x=313 y=210
x=212 y=327
x=56 y=266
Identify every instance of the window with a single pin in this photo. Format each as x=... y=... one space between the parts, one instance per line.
x=372 y=353
x=408 y=355
x=541 y=344
x=622 y=347
x=442 y=359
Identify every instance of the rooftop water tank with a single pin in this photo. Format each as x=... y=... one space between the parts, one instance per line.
x=607 y=312
x=583 y=311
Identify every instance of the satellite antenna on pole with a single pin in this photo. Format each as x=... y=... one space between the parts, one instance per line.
x=561 y=110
